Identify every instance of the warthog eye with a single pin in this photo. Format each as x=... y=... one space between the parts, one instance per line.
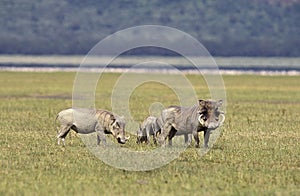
x=204 y=115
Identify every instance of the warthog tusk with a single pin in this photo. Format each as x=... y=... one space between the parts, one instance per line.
x=127 y=138
x=201 y=121
x=223 y=119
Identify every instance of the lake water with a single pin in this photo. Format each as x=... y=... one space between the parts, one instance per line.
x=223 y=65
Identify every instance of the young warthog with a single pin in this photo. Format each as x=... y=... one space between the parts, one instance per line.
x=150 y=126
x=86 y=121
x=190 y=120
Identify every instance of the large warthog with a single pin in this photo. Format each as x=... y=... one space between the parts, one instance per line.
x=150 y=126
x=203 y=116
x=85 y=121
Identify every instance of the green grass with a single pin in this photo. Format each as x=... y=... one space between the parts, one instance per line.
x=257 y=153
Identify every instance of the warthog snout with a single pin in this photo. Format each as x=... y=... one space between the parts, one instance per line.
x=123 y=140
x=212 y=124
x=216 y=124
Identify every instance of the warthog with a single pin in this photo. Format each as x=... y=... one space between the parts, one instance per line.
x=203 y=116
x=150 y=126
x=86 y=121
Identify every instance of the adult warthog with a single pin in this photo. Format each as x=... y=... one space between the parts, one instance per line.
x=85 y=121
x=203 y=116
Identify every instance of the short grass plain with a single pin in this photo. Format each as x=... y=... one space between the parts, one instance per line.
x=257 y=152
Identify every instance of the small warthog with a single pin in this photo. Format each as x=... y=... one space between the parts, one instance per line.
x=86 y=121
x=190 y=120
x=150 y=126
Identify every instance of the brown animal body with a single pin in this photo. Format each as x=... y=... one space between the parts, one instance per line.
x=203 y=116
x=85 y=121
x=151 y=126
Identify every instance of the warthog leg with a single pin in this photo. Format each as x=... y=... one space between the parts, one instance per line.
x=100 y=134
x=206 y=138
x=165 y=131
x=64 y=130
x=196 y=138
x=148 y=134
x=156 y=136
x=172 y=133
x=187 y=139
x=154 y=139
x=101 y=137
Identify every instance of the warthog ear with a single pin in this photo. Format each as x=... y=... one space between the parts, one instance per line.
x=220 y=102
x=202 y=107
x=112 y=119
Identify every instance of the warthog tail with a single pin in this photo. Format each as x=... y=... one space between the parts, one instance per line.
x=54 y=123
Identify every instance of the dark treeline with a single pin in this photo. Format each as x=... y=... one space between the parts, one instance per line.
x=224 y=27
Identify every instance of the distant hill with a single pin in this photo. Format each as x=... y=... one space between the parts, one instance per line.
x=225 y=27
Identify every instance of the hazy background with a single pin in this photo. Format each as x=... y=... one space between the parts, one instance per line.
x=225 y=28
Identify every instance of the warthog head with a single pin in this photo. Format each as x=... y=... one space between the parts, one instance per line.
x=209 y=114
x=117 y=129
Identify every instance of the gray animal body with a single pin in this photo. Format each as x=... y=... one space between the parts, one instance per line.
x=150 y=126
x=85 y=121
x=203 y=116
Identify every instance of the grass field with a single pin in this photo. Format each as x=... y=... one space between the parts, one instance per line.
x=257 y=153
